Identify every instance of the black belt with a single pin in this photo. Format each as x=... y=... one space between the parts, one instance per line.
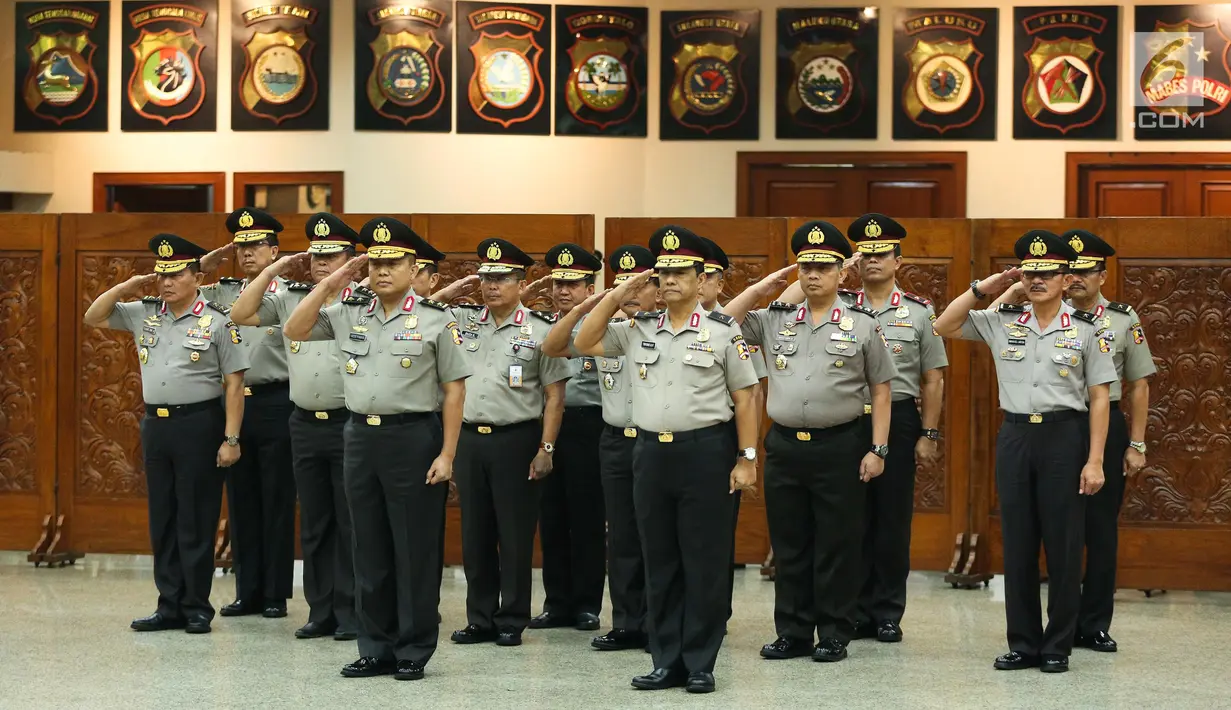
x=668 y=437
x=267 y=388
x=584 y=409
x=497 y=428
x=626 y=432
x=324 y=415
x=1044 y=417
x=389 y=419
x=164 y=411
x=807 y=434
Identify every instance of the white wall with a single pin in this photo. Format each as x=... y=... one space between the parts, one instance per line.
x=407 y=172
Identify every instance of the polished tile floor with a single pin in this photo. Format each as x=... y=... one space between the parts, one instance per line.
x=65 y=643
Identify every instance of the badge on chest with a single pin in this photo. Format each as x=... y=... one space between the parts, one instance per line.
x=515 y=376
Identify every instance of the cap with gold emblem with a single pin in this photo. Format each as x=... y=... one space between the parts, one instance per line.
x=630 y=260
x=874 y=233
x=715 y=258
x=570 y=262
x=387 y=238
x=818 y=242
x=174 y=253
x=1041 y=250
x=251 y=225
x=676 y=247
x=500 y=256
x=1092 y=251
x=429 y=255
x=328 y=234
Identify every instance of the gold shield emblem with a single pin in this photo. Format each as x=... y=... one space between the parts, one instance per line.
x=405 y=74
x=166 y=84
x=941 y=82
x=706 y=81
x=1063 y=81
x=506 y=87
x=275 y=75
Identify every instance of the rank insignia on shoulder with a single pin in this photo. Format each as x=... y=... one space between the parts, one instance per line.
x=434 y=304
x=1085 y=315
x=224 y=310
x=357 y=300
x=917 y=298
x=151 y=299
x=861 y=309
x=1121 y=307
x=721 y=318
x=1011 y=308
x=230 y=281
x=546 y=316
x=645 y=315
x=781 y=306
x=299 y=286
x=472 y=306
x=365 y=291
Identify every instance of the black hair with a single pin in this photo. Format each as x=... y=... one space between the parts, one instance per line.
x=589 y=280
x=194 y=267
x=429 y=267
x=897 y=250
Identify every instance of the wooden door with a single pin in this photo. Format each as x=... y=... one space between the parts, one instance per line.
x=898 y=184
x=1176 y=521
x=458 y=236
x=756 y=247
x=160 y=192
x=1148 y=185
x=27 y=377
x=102 y=486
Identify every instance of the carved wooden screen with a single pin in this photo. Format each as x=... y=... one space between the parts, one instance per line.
x=102 y=484
x=458 y=236
x=756 y=247
x=27 y=376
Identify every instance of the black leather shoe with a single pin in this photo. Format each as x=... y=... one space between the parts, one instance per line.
x=1099 y=641
x=829 y=650
x=197 y=625
x=508 y=637
x=786 y=648
x=888 y=632
x=552 y=620
x=1054 y=664
x=660 y=679
x=156 y=622
x=345 y=635
x=368 y=667
x=700 y=682
x=274 y=610
x=586 y=622
x=408 y=670
x=474 y=634
x=619 y=640
x=1014 y=661
x=315 y=630
x=864 y=630
x=239 y=607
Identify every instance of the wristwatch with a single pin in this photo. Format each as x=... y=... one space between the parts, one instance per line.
x=548 y=447
x=974 y=288
x=1139 y=445
x=232 y=440
x=881 y=450
x=748 y=454
x=933 y=434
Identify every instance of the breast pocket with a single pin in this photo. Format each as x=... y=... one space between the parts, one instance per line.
x=405 y=354
x=354 y=357
x=271 y=336
x=610 y=373
x=699 y=368
x=783 y=360
x=201 y=353
x=645 y=362
x=519 y=354
x=842 y=356
x=902 y=341
x=1011 y=365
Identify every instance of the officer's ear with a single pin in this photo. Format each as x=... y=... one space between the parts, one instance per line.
x=1102 y=278
x=273 y=250
x=433 y=280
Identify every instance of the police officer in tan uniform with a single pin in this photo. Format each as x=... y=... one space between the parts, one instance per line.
x=191 y=358
x=316 y=427
x=1049 y=363
x=692 y=374
x=572 y=524
x=625 y=565
x=401 y=351
x=825 y=357
x=513 y=410
x=261 y=487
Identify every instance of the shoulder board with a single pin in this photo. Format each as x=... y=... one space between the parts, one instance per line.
x=1011 y=308
x=782 y=306
x=917 y=298
x=721 y=318
x=230 y=281
x=434 y=304
x=544 y=315
x=1085 y=315
x=1122 y=307
x=646 y=315
x=365 y=291
x=224 y=310
x=299 y=286
x=355 y=300
x=471 y=306
x=848 y=296
x=865 y=311
x=151 y=299
x=848 y=292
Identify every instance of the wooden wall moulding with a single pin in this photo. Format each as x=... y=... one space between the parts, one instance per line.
x=334 y=179
x=216 y=180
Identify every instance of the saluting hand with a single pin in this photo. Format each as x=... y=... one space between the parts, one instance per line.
x=995 y=284
x=214 y=259
x=540 y=467
x=284 y=263
x=461 y=287
x=775 y=282
x=591 y=301
x=1134 y=461
x=853 y=261
x=1091 y=479
x=135 y=285
x=346 y=274
x=534 y=288
x=441 y=470
x=871 y=467
x=628 y=286
x=227 y=455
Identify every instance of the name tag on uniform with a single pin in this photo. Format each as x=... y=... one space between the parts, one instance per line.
x=469 y=334
x=1070 y=343
x=514 y=375
x=845 y=337
x=648 y=344
x=358 y=336
x=1017 y=341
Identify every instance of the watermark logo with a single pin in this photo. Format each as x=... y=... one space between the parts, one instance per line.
x=1171 y=87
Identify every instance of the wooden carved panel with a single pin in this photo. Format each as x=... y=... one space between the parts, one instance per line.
x=1184 y=308
x=110 y=400
x=744 y=272
x=18 y=371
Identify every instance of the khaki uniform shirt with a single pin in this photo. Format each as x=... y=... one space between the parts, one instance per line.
x=394 y=364
x=681 y=380
x=315 y=367
x=615 y=385
x=510 y=369
x=582 y=388
x=906 y=320
x=1042 y=370
x=819 y=375
x=1120 y=326
x=758 y=357
x=183 y=359
x=265 y=346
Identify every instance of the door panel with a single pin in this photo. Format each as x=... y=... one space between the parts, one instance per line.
x=1134 y=193
x=1209 y=192
x=1148 y=185
x=790 y=191
x=903 y=198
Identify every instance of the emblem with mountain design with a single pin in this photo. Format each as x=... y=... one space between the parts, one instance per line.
x=824 y=83
x=58 y=83
x=821 y=80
